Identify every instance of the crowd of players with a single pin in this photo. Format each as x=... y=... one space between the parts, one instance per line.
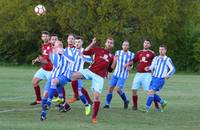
x=61 y=65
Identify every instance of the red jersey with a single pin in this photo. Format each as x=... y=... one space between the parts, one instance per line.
x=46 y=48
x=102 y=61
x=144 y=59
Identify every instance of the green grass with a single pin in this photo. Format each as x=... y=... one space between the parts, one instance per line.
x=16 y=92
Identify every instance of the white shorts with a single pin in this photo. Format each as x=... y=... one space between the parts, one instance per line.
x=43 y=74
x=97 y=81
x=142 y=80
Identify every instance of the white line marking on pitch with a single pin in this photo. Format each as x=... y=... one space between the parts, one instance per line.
x=11 y=98
x=18 y=110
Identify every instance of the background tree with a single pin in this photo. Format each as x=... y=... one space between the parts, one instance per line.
x=174 y=22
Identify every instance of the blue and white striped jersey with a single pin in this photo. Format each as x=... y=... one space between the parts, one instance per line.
x=123 y=58
x=61 y=63
x=162 y=67
x=79 y=60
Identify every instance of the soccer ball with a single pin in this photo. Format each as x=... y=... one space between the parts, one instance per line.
x=40 y=10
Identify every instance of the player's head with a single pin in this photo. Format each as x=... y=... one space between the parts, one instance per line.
x=162 y=50
x=146 y=44
x=58 y=46
x=78 y=42
x=45 y=36
x=125 y=45
x=53 y=38
x=70 y=40
x=109 y=43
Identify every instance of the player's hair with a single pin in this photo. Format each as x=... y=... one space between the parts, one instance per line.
x=110 y=38
x=54 y=34
x=69 y=35
x=146 y=39
x=60 y=43
x=163 y=45
x=126 y=41
x=78 y=37
x=45 y=32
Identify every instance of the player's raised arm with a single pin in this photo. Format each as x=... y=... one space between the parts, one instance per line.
x=87 y=59
x=91 y=44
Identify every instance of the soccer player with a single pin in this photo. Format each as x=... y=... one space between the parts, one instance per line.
x=120 y=75
x=53 y=39
x=77 y=66
x=59 y=75
x=142 y=78
x=71 y=44
x=45 y=71
x=162 y=68
x=102 y=64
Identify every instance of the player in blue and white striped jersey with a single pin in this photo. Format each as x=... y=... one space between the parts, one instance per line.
x=77 y=86
x=61 y=61
x=120 y=74
x=162 y=68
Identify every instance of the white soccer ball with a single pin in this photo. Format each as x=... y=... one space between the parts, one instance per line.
x=40 y=10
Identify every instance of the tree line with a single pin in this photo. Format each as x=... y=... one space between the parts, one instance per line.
x=175 y=23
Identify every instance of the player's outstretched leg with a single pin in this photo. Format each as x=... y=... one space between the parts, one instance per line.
x=149 y=100
x=83 y=98
x=84 y=91
x=161 y=101
x=123 y=97
x=75 y=90
x=85 y=102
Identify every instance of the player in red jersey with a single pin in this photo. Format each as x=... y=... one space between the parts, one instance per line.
x=142 y=78
x=103 y=63
x=44 y=72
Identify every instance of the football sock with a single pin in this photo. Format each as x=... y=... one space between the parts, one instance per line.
x=158 y=98
x=108 y=98
x=84 y=100
x=149 y=101
x=86 y=95
x=75 y=88
x=123 y=96
x=95 y=109
x=51 y=92
x=156 y=104
x=59 y=91
x=63 y=91
x=135 y=99
x=56 y=94
x=37 y=92
x=44 y=102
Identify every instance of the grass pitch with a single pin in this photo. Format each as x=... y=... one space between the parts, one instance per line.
x=16 y=92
